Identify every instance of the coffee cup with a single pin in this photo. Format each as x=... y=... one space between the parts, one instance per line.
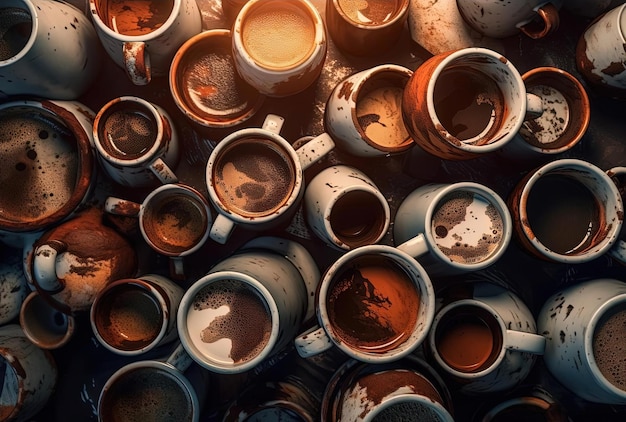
x=255 y=177
x=375 y=303
x=583 y=193
x=497 y=19
x=133 y=316
x=600 y=56
x=151 y=390
x=279 y=47
x=45 y=325
x=49 y=167
x=363 y=113
x=249 y=306
x=583 y=324
x=136 y=142
x=478 y=343
x=174 y=220
x=206 y=86
x=142 y=37
x=366 y=28
x=40 y=56
x=564 y=121
x=345 y=208
x=465 y=226
x=29 y=375
x=465 y=103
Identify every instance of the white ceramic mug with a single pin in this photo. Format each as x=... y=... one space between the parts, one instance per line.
x=142 y=37
x=583 y=324
x=464 y=226
x=50 y=49
x=279 y=47
x=255 y=177
x=136 y=142
x=249 y=306
x=363 y=113
x=345 y=208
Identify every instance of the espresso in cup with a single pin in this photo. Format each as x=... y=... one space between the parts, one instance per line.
x=127 y=131
x=135 y=17
x=351 y=224
x=608 y=346
x=16 y=26
x=229 y=321
x=254 y=177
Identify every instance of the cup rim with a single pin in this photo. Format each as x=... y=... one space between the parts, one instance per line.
x=403 y=10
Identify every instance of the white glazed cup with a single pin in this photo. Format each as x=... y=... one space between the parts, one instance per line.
x=147 y=54
x=285 y=77
x=345 y=208
x=515 y=346
x=497 y=19
x=569 y=320
x=358 y=122
x=604 y=235
x=45 y=325
x=154 y=164
x=52 y=62
x=114 y=303
x=415 y=216
x=299 y=160
x=167 y=247
x=275 y=279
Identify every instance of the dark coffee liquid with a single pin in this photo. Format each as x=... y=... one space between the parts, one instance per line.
x=468 y=103
x=16 y=26
x=357 y=218
x=609 y=347
x=135 y=17
x=465 y=342
x=127 y=133
x=563 y=213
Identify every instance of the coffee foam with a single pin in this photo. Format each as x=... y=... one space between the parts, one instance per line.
x=229 y=322
x=128 y=133
x=466 y=227
x=609 y=348
x=39 y=165
x=16 y=26
x=404 y=411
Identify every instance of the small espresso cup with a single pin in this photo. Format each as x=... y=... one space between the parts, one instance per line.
x=174 y=220
x=279 y=47
x=132 y=316
x=465 y=103
x=248 y=307
x=142 y=37
x=151 y=390
x=375 y=303
x=584 y=329
x=480 y=344
x=255 y=177
x=345 y=208
x=363 y=113
x=499 y=19
x=44 y=325
x=368 y=27
x=136 y=142
x=465 y=226
x=565 y=118
x=569 y=211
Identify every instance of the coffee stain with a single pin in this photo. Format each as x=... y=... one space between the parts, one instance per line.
x=345 y=91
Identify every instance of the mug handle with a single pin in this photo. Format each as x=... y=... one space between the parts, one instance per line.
x=163 y=172
x=618 y=251
x=315 y=149
x=123 y=207
x=416 y=246
x=534 y=106
x=525 y=342
x=549 y=16
x=137 y=62
x=221 y=229
x=179 y=358
x=177 y=270
x=44 y=266
x=312 y=342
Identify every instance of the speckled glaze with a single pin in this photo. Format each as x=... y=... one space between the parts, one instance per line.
x=13 y=286
x=518 y=350
x=144 y=56
x=30 y=379
x=61 y=58
x=568 y=320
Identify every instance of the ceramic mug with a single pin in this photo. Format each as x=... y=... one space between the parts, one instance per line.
x=465 y=226
x=499 y=19
x=583 y=324
x=45 y=325
x=143 y=37
x=249 y=306
x=344 y=207
x=255 y=177
x=363 y=113
x=135 y=315
x=279 y=47
x=366 y=28
x=465 y=103
x=484 y=338
x=40 y=56
x=583 y=193
x=136 y=142
x=13 y=285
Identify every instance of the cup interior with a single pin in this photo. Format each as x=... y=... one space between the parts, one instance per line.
x=608 y=338
x=16 y=25
x=371 y=14
x=354 y=227
x=134 y=18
